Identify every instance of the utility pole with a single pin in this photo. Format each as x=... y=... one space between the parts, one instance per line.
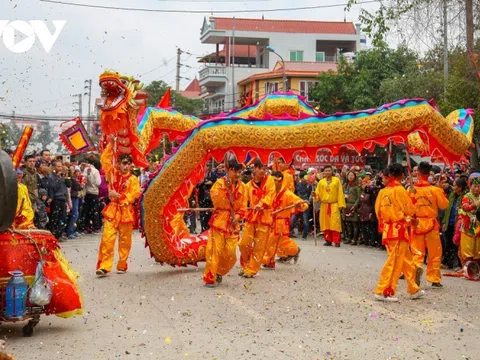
x=177 y=78
x=88 y=92
x=79 y=103
x=445 y=47
x=469 y=20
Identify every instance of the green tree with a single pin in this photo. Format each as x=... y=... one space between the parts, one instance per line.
x=3 y=136
x=156 y=89
x=45 y=134
x=357 y=85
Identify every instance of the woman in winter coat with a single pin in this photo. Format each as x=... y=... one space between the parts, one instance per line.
x=352 y=193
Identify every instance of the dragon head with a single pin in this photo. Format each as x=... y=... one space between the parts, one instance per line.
x=118 y=90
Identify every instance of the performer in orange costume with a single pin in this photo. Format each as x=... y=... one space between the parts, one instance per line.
x=288 y=181
x=394 y=210
x=124 y=189
x=278 y=241
x=229 y=198
x=428 y=200
x=260 y=192
x=330 y=194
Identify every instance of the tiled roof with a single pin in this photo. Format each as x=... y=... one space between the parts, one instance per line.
x=293 y=69
x=285 y=26
x=193 y=86
x=192 y=91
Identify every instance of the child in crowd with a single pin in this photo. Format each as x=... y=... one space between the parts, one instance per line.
x=43 y=208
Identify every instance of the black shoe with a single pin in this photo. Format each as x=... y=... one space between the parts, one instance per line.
x=304 y=238
x=327 y=243
x=219 y=279
x=437 y=285
x=337 y=245
x=101 y=273
x=295 y=258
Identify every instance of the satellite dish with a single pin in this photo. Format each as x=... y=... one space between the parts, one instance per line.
x=8 y=191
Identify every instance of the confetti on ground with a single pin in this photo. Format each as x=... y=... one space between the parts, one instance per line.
x=168 y=340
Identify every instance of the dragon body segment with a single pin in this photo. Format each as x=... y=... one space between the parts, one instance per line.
x=281 y=123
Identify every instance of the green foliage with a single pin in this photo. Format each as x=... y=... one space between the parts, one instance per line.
x=9 y=135
x=358 y=85
x=45 y=135
x=156 y=89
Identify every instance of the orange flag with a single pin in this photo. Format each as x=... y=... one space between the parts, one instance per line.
x=165 y=100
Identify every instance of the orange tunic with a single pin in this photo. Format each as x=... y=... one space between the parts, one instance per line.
x=127 y=185
x=394 y=209
x=428 y=200
x=281 y=220
x=260 y=195
x=221 y=218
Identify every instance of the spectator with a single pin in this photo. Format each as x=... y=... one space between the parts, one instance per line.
x=43 y=208
x=30 y=179
x=460 y=188
x=75 y=195
x=303 y=190
x=144 y=177
x=350 y=216
x=42 y=175
x=366 y=211
x=45 y=156
x=94 y=180
x=57 y=197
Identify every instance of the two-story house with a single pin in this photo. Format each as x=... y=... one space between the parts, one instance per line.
x=241 y=51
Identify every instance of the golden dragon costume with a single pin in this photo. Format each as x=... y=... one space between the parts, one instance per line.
x=279 y=122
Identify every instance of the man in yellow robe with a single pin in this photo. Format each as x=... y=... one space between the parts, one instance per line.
x=330 y=194
x=260 y=194
x=278 y=241
x=229 y=199
x=394 y=209
x=24 y=214
x=124 y=189
x=428 y=200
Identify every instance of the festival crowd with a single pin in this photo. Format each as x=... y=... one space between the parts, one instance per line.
x=277 y=203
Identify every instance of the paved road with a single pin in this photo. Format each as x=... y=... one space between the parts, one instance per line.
x=321 y=308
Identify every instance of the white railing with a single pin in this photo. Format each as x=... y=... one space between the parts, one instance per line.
x=213 y=71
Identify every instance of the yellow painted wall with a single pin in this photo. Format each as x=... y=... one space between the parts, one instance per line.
x=256 y=95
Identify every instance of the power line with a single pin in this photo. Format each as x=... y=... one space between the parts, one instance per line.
x=182 y=11
x=158 y=67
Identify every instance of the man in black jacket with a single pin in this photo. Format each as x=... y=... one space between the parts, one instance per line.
x=57 y=196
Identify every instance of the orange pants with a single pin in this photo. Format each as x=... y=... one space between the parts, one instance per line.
x=399 y=261
x=280 y=245
x=107 y=245
x=252 y=247
x=431 y=241
x=221 y=255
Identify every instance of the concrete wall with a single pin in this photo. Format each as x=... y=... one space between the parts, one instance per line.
x=283 y=43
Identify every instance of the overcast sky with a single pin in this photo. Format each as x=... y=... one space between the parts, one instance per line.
x=129 y=42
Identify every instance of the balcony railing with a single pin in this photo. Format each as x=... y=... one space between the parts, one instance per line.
x=213 y=71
